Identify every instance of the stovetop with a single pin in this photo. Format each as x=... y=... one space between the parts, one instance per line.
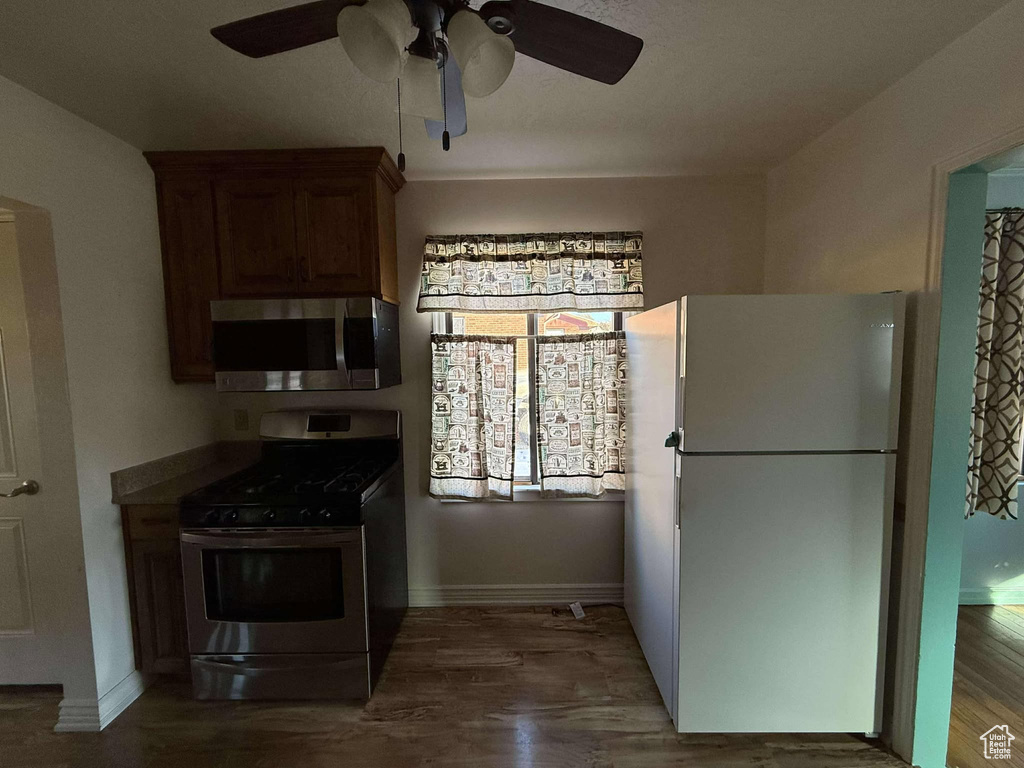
x=294 y=484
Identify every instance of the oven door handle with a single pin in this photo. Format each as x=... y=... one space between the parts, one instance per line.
x=263 y=541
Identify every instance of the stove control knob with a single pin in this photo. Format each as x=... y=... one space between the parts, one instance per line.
x=210 y=516
x=269 y=514
x=306 y=514
x=232 y=516
x=325 y=514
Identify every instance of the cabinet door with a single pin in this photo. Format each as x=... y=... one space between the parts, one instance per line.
x=190 y=274
x=256 y=233
x=335 y=235
x=160 y=606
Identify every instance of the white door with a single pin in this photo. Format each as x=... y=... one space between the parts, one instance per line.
x=651 y=536
x=791 y=373
x=28 y=640
x=783 y=591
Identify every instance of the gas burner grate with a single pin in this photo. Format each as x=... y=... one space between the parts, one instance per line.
x=320 y=478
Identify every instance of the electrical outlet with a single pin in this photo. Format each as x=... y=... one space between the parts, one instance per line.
x=241 y=420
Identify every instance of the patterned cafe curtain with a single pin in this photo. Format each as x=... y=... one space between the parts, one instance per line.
x=532 y=273
x=995 y=457
x=473 y=401
x=581 y=413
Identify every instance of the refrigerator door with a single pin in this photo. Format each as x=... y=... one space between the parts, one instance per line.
x=651 y=537
x=791 y=373
x=783 y=592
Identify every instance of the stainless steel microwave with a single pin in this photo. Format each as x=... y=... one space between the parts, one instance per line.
x=266 y=345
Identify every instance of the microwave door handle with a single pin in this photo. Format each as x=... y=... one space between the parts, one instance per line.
x=340 y=336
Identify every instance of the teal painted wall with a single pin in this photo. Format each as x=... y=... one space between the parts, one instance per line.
x=1006 y=189
x=961 y=271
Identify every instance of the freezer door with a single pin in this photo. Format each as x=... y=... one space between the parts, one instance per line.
x=791 y=373
x=651 y=537
x=783 y=592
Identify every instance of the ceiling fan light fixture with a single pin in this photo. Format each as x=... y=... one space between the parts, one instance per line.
x=421 y=89
x=485 y=58
x=375 y=36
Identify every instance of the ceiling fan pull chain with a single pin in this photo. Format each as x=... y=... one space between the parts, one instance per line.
x=401 y=153
x=446 y=139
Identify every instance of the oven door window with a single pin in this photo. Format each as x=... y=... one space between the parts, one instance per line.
x=265 y=585
x=275 y=345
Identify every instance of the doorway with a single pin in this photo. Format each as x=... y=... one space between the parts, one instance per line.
x=969 y=655
x=45 y=634
x=987 y=712
x=29 y=652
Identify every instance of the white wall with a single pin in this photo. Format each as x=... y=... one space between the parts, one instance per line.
x=850 y=211
x=125 y=409
x=701 y=235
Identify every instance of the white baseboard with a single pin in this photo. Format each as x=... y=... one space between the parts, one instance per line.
x=93 y=715
x=992 y=596
x=514 y=594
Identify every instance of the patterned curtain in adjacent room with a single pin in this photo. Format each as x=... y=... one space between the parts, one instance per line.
x=995 y=456
x=581 y=416
x=532 y=273
x=473 y=397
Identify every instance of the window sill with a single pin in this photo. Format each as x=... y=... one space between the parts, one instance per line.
x=531 y=494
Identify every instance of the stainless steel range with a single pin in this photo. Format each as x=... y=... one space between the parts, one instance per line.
x=295 y=568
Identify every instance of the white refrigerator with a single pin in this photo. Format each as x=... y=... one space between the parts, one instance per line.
x=759 y=495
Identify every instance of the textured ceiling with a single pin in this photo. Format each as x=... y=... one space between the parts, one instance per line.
x=721 y=85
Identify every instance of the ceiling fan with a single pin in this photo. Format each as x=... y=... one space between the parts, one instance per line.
x=439 y=50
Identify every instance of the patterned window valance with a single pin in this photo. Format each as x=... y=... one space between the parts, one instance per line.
x=593 y=271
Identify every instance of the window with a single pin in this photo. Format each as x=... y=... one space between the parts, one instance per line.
x=540 y=313
x=527 y=326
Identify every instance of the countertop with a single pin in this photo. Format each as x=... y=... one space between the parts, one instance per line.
x=167 y=480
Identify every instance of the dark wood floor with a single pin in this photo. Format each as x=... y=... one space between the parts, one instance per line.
x=988 y=683
x=463 y=687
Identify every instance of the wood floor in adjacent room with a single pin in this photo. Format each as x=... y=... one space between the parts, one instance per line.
x=988 y=683
x=467 y=687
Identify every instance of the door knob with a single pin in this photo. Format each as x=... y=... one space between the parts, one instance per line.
x=28 y=488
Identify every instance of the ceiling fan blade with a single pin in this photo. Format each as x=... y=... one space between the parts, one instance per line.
x=566 y=40
x=283 y=30
x=456 y=102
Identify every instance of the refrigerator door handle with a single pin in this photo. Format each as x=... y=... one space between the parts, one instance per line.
x=679 y=495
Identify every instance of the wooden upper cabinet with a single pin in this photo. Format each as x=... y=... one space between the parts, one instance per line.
x=190 y=274
x=335 y=233
x=270 y=224
x=256 y=237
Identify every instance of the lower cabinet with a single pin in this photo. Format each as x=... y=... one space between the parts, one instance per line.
x=156 y=589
